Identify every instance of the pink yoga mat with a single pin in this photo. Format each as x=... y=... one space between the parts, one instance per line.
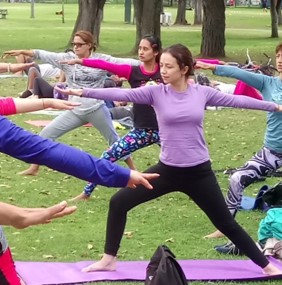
x=51 y=273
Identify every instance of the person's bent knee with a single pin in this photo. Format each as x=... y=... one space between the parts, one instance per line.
x=117 y=204
x=241 y=179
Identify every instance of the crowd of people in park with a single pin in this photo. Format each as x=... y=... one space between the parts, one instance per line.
x=168 y=106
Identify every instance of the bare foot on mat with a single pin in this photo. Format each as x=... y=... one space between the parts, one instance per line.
x=107 y=263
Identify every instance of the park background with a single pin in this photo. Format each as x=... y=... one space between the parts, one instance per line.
x=233 y=136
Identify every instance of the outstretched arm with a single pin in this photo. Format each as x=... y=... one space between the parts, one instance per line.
x=122 y=70
x=216 y=98
x=32 y=148
x=24 y=217
x=17 y=52
x=14 y=67
x=253 y=79
x=141 y=95
x=210 y=61
x=9 y=106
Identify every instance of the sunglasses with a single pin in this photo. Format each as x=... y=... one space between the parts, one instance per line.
x=79 y=45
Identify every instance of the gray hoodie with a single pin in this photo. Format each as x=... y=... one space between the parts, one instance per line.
x=78 y=76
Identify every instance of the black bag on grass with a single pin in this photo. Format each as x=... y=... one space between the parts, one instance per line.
x=163 y=269
x=273 y=196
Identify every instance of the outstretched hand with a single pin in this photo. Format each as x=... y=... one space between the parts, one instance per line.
x=137 y=178
x=203 y=65
x=46 y=215
x=21 y=218
x=69 y=91
x=15 y=67
x=11 y=53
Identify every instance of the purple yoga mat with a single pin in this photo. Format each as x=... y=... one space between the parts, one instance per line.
x=50 y=273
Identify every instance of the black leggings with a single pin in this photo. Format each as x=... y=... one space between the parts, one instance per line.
x=200 y=184
x=42 y=88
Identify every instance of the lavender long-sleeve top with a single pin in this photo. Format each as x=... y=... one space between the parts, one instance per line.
x=180 y=116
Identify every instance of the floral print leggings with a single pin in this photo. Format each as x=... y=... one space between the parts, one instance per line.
x=132 y=141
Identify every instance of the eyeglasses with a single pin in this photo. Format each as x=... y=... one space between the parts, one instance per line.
x=79 y=45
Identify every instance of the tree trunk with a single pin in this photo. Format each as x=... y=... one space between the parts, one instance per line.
x=32 y=15
x=198 y=13
x=278 y=11
x=147 y=15
x=213 y=31
x=90 y=15
x=274 y=19
x=189 y=3
x=181 y=13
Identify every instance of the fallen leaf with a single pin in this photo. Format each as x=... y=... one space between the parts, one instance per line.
x=169 y=240
x=48 y=256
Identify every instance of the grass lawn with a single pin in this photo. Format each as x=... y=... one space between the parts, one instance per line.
x=233 y=137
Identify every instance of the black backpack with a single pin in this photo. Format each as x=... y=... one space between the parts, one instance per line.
x=163 y=269
x=273 y=196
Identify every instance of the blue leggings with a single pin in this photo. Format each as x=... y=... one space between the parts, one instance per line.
x=132 y=141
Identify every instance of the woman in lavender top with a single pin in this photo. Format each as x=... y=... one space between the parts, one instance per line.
x=184 y=160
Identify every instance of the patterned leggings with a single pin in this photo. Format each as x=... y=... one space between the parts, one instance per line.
x=132 y=141
x=263 y=162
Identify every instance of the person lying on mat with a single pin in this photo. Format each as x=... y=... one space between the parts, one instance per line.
x=184 y=159
x=28 y=147
x=269 y=157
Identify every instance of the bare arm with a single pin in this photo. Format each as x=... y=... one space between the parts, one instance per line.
x=21 y=218
x=24 y=105
x=14 y=67
x=17 y=52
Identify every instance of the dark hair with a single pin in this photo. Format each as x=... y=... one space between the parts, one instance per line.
x=156 y=45
x=278 y=47
x=87 y=37
x=183 y=57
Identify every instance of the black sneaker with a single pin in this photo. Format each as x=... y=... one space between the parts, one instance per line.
x=26 y=94
x=228 y=248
